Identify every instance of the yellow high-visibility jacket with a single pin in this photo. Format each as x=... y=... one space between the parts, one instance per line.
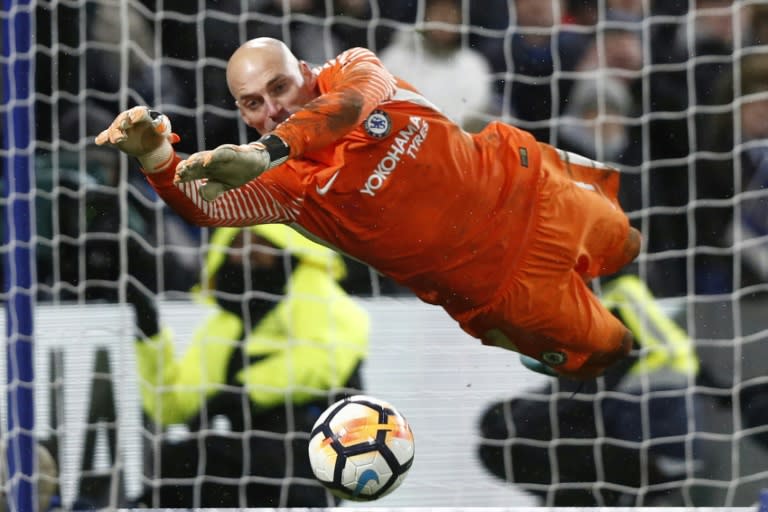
x=310 y=343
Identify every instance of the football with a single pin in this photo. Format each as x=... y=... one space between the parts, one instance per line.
x=361 y=448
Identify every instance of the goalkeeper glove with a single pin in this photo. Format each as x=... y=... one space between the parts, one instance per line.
x=230 y=166
x=144 y=134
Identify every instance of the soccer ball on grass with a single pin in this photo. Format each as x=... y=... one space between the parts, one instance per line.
x=361 y=448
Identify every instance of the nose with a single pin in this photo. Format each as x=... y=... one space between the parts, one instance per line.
x=274 y=109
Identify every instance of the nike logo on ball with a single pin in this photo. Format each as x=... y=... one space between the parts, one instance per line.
x=365 y=477
x=325 y=188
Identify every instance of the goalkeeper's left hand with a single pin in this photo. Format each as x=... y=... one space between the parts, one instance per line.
x=227 y=167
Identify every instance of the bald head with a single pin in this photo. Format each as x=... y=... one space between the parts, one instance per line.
x=268 y=82
x=255 y=55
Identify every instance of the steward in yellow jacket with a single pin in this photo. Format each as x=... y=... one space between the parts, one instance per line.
x=283 y=341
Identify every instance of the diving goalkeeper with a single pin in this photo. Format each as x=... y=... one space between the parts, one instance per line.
x=500 y=230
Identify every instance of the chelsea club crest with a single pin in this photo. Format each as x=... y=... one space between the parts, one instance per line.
x=378 y=124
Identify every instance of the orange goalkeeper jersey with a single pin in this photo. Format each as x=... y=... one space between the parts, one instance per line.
x=398 y=186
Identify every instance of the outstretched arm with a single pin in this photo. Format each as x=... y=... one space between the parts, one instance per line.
x=146 y=135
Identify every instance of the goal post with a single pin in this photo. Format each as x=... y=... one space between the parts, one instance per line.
x=80 y=224
x=17 y=71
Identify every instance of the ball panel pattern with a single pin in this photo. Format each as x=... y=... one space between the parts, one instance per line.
x=361 y=448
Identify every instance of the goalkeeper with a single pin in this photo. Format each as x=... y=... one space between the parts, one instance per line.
x=264 y=363
x=500 y=230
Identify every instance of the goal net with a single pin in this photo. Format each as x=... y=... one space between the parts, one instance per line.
x=673 y=93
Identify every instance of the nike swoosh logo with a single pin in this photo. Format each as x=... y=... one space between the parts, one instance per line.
x=366 y=477
x=325 y=188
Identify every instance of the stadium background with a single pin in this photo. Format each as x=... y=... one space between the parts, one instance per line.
x=92 y=59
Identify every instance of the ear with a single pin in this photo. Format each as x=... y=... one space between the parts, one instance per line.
x=310 y=79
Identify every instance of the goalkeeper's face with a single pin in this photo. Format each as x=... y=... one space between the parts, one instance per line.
x=269 y=85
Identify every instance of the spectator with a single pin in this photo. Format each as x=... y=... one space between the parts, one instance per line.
x=540 y=52
x=612 y=63
x=429 y=58
x=617 y=51
x=709 y=42
x=397 y=11
x=354 y=25
x=301 y=24
x=104 y=63
x=734 y=177
x=578 y=437
x=628 y=9
x=594 y=122
x=282 y=343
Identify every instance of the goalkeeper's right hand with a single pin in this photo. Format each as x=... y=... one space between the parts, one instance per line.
x=144 y=134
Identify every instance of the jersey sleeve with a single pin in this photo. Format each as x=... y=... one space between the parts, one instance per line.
x=256 y=202
x=351 y=86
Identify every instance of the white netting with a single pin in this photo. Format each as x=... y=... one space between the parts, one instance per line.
x=671 y=91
